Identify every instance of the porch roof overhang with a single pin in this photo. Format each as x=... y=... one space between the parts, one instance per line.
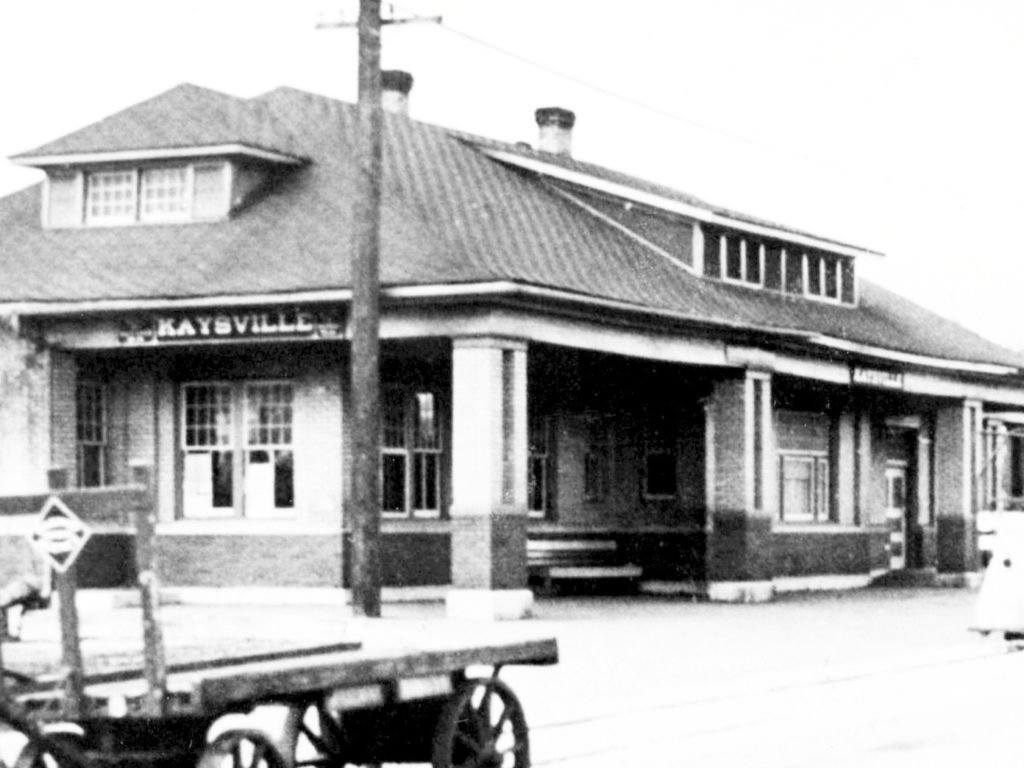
x=532 y=295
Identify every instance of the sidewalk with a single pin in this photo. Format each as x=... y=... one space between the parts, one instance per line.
x=620 y=656
x=672 y=639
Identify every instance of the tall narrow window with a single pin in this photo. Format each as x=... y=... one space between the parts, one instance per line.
x=91 y=434
x=537 y=467
x=426 y=455
x=269 y=460
x=411 y=450
x=209 y=446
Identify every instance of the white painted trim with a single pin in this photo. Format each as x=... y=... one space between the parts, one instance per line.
x=909 y=357
x=822 y=583
x=489 y=604
x=697 y=244
x=65 y=308
x=238 y=526
x=672 y=206
x=131 y=155
x=674 y=260
x=496 y=288
x=740 y=591
x=749 y=428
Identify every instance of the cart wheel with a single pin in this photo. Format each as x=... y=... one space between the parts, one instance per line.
x=482 y=726
x=241 y=749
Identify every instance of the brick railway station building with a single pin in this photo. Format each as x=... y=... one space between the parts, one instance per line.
x=573 y=361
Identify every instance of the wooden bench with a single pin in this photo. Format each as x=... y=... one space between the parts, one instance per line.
x=554 y=559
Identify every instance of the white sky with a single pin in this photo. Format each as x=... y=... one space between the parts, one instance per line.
x=892 y=124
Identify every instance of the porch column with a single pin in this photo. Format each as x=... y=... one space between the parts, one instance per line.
x=488 y=509
x=742 y=489
x=957 y=488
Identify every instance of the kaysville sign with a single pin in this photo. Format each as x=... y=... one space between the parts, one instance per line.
x=229 y=325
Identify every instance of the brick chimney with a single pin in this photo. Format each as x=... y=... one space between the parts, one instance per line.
x=394 y=91
x=555 y=125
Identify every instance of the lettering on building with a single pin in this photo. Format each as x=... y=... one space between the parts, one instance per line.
x=877 y=377
x=227 y=325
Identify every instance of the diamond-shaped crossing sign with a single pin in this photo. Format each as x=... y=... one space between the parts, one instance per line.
x=59 y=534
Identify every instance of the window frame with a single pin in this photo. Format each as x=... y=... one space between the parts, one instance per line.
x=236 y=508
x=821 y=512
x=414 y=454
x=274 y=447
x=101 y=443
x=538 y=426
x=140 y=186
x=91 y=219
x=744 y=244
x=824 y=260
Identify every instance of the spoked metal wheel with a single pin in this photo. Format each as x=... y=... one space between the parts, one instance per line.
x=482 y=726
x=241 y=749
x=310 y=738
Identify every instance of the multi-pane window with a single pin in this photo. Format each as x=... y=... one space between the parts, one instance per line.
x=597 y=460
x=165 y=193
x=159 y=194
x=411 y=450
x=269 y=459
x=538 y=459
x=237 y=449
x=804 y=488
x=660 y=460
x=208 y=443
x=110 y=196
x=91 y=434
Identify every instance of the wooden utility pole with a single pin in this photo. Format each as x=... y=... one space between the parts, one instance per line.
x=365 y=323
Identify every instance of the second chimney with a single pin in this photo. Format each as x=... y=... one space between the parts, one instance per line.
x=555 y=125
x=394 y=91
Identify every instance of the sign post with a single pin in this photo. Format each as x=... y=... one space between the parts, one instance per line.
x=59 y=535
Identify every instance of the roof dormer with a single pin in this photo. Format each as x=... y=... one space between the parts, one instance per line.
x=188 y=155
x=168 y=191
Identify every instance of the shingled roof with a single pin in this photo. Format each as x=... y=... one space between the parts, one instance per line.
x=450 y=215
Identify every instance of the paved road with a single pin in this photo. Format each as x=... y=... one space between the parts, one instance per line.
x=871 y=678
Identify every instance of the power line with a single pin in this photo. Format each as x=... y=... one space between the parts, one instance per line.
x=956 y=195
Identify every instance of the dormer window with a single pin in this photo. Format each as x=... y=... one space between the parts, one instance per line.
x=111 y=197
x=120 y=196
x=823 y=276
x=742 y=259
x=776 y=265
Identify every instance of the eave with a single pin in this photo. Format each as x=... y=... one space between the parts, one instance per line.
x=504 y=289
x=161 y=153
x=703 y=215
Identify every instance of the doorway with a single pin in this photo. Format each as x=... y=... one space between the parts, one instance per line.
x=896 y=513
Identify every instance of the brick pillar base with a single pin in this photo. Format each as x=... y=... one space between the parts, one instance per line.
x=488 y=512
x=741 y=490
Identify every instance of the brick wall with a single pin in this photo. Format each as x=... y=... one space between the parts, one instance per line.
x=63 y=376
x=413 y=559
x=740 y=544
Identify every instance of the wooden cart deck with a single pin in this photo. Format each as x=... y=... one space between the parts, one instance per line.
x=360 y=674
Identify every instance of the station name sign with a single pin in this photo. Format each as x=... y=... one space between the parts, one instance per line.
x=877 y=377
x=228 y=325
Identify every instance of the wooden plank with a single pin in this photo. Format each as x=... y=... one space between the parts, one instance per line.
x=235 y=684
